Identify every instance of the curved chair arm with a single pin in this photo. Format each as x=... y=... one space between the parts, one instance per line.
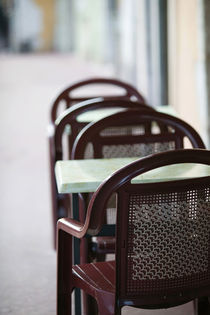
x=73 y=227
x=97 y=205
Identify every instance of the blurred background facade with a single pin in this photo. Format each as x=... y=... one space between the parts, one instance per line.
x=160 y=46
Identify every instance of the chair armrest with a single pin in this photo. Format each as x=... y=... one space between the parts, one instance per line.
x=71 y=226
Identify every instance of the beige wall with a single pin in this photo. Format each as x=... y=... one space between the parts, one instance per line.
x=183 y=60
x=48 y=12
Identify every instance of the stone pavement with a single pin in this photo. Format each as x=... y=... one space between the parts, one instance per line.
x=28 y=83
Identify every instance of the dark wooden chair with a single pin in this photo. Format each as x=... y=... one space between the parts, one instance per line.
x=60 y=144
x=68 y=97
x=135 y=133
x=162 y=240
x=128 y=134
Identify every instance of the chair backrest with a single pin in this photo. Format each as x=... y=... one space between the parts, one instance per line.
x=60 y=142
x=163 y=228
x=126 y=134
x=69 y=118
x=67 y=96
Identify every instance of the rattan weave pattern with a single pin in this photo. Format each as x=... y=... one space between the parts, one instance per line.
x=123 y=131
x=168 y=239
x=140 y=150
x=127 y=150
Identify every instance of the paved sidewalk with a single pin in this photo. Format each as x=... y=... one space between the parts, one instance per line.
x=28 y=83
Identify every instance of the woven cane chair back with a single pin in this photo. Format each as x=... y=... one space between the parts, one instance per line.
x=163 y=232
x=65 y=130
x=168 y=238
x=134 y=133
x=69 y=119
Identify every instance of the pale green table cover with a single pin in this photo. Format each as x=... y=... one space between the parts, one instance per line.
x=96 y=114
x=76 y=176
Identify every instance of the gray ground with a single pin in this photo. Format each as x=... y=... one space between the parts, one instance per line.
x=28 y=84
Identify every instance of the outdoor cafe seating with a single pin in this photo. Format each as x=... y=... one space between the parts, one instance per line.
x=162 y=239
x=131 y=133
x=62 y=134
x=91 y=144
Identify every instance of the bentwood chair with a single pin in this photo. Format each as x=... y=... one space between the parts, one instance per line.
x=97 y=86
x=60 y=143
x=126 y=134
x=162 y=240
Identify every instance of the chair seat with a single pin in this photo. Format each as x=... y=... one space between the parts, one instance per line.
x=99 y=276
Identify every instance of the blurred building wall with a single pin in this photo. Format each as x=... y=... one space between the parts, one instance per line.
x=138 y=45
x=205 y=66
x=47 y=7
x=65 y=24
x=26 y=26
x=187 y=92
x=32 y=25
x=131 y=36
x=90 y=29
x=143 y=46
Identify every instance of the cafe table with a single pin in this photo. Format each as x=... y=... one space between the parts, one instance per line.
x=84 y=176
x=99 y=113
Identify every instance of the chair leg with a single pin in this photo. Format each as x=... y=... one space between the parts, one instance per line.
x=105 y=305
x=84 y=251
x=203 y=306
x=87 y=301
x=89 y=305
x=64 y=273
x=104 y=311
